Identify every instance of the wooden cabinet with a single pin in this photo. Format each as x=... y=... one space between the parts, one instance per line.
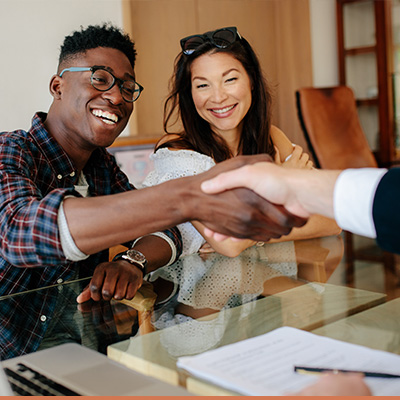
x=365 y=54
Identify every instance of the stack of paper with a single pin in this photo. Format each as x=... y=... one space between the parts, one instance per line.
x=264 y=365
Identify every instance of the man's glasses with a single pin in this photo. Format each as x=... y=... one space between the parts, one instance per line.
x=220 y=38
x=104 y=80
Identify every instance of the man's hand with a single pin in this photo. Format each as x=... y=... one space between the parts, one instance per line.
x=266 y=179
x=337 y=385
x=117 y=279
x=240 y=212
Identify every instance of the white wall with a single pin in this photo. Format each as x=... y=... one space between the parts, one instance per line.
x=324 y=43
x=31 y=32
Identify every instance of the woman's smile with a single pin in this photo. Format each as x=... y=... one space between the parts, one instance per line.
x=221 y=111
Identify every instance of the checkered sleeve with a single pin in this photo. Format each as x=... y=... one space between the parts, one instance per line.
x=28 y=217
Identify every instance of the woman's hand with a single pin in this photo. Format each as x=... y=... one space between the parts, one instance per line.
x=297 y=159
x=206 y=248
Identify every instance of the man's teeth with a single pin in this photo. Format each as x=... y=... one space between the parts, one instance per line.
x=107 y=117
x=222 y=110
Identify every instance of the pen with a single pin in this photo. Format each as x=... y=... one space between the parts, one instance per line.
x=313 y=370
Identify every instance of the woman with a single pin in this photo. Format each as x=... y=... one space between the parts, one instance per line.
x=219 y=93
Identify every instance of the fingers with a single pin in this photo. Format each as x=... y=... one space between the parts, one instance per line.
x=255 y=218
x=84 y=296
x=131 y=290
x=96 y=284
x=215 y=235
x=277 y=157
x=108 y=289
x=298 y=159
x=337 y=385
x=241 y=177
x=118 y=280
x=309 y=165
x=219 y=237
x=304 y=160
x=206 y=248
x=251 y=214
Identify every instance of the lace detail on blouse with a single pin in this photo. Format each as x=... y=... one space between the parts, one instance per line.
x=169 y=164
x=218 y=281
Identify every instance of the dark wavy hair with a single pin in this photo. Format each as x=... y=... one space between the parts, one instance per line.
x=197 y=134
x=94 y=36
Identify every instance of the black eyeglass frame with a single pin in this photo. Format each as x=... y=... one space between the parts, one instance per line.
x=210 y=37
x=120 y=82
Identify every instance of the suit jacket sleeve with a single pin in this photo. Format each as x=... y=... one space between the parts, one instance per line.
x=386 y=211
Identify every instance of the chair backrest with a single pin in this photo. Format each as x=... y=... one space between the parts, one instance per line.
x=332 y=128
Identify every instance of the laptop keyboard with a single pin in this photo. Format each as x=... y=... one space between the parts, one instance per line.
x=27 y=382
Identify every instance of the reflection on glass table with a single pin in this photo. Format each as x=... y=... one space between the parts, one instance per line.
x=199 y=303
x=92 y=324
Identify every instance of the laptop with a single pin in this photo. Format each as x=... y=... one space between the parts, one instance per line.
x=72 y=369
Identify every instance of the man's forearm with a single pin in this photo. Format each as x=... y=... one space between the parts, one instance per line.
x=98 y=223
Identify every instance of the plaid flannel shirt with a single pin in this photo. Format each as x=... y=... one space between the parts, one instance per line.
x=35 y=176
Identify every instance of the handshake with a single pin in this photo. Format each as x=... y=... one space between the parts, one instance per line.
x=244 y=198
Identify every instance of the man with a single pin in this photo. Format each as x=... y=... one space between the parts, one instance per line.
x=64 y=201
x=363 y=201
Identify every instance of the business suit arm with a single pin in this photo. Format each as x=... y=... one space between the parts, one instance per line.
x=386 y=211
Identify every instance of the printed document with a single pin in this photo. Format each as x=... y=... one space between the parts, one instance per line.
x=264 y=365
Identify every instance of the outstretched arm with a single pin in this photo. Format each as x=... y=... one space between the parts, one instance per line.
x=348 y=196
x=97 y=223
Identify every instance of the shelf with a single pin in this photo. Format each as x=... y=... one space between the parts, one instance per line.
x=350 y=1
x=367 y=102
x=360 y=50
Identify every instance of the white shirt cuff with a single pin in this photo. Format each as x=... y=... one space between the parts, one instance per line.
x=68 y=245
x=353 y=199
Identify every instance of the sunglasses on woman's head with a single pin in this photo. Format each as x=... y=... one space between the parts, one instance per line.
x=220 y=38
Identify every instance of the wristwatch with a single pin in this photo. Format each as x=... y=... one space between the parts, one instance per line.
x=134 y=257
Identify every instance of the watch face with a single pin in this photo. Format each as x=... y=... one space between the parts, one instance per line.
x=136 y=256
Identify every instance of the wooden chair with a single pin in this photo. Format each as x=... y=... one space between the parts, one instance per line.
x=330 y=122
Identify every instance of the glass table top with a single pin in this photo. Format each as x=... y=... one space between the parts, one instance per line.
x=206 y=301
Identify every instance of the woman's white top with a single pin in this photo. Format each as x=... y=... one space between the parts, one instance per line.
x=173 y=164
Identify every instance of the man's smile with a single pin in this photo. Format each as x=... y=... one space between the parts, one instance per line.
x=105 y=116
